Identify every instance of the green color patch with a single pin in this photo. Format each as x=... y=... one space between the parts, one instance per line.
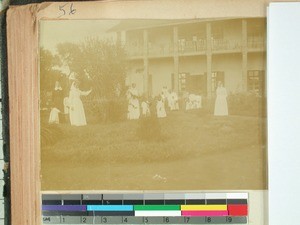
x=156 y=207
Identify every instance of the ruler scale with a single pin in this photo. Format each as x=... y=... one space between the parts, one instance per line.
x=148 y=208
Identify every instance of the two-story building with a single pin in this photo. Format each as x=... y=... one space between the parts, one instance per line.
x=193 y=55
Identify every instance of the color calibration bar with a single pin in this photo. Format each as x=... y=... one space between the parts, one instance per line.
x=148 y=208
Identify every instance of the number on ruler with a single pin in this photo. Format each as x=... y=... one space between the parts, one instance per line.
x=83 y=219
x=187 y=219
x=208 y=219
x=228 y=219
x=146 y=220
x=166 y=219
x=47 y=219
x=63 y=220
x=125 y=220
x=104 y=220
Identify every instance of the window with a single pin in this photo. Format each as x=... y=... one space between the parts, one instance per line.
x=182 y=81
x=215 y=78
x=256 y=81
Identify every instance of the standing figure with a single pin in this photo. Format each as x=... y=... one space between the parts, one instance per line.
x=133 y=103
x=174 y=101
x=133 y=91
x=57 y=104
x=76 y=112
x=145 y=108
x=134 y=109
x=221 y=108
x=160 y=108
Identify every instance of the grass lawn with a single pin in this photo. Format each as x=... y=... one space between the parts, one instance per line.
x=195 y=151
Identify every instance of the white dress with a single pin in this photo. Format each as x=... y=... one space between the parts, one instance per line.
x=134 y=109
x=76 y=112
x=174 y=101
x=160 y=109
x=221 y=108
x=145 y=109
x=54 y=117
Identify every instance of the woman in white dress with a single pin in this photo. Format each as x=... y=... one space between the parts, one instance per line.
x=76 y=112
x=221 y=108
x=134 y=109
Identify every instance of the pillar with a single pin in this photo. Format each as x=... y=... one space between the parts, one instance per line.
x=145 y=62
x=208 y=58
x=176 y=59
x=244 y=55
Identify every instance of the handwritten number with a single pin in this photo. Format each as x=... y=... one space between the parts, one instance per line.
x=71 y=10
x=61 y=8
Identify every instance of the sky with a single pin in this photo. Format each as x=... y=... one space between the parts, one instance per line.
x=53 y=32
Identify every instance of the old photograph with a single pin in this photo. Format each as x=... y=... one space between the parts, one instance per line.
x=138 y=104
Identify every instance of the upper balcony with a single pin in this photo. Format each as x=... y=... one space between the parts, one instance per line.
x=194 y=47
x=222 y=45
x=256 y=44
x=160 y=50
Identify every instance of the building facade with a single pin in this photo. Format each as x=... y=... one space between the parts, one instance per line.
x=194 y=55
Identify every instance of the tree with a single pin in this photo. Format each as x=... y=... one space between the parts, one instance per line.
x=48 y=74
x=97 y=64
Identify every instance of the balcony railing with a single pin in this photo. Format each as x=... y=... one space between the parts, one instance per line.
x=191 y=46
x=196 y=47
x=256 y=43
x=160 y=49
x=223 y=45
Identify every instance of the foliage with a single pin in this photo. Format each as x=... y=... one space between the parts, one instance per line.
x=49 y=75
x=247 y=104
x=104 y=110
x=97 y=64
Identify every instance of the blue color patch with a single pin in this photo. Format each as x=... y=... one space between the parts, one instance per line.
x=109 y=207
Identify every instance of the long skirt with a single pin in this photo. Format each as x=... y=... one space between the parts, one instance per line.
x=221 y=108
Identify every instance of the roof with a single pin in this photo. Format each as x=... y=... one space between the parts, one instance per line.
x=137 y=24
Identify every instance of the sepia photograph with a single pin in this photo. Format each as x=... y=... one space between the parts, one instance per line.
x=154 y=104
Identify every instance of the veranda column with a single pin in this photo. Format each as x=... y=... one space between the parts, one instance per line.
x=176 y=59
x=146 y=62
x=244 y=55
x=208 y=58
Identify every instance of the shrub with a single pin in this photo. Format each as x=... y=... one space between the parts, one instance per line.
x=247 y=104
x=103 y=110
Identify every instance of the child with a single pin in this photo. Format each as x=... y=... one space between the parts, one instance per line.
x=174 y=101
x=160 y=108
x=54 y=116
x=145 y=108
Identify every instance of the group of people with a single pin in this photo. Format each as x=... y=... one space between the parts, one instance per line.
x=143 y=107
x=70 y=107
x=169 y=99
